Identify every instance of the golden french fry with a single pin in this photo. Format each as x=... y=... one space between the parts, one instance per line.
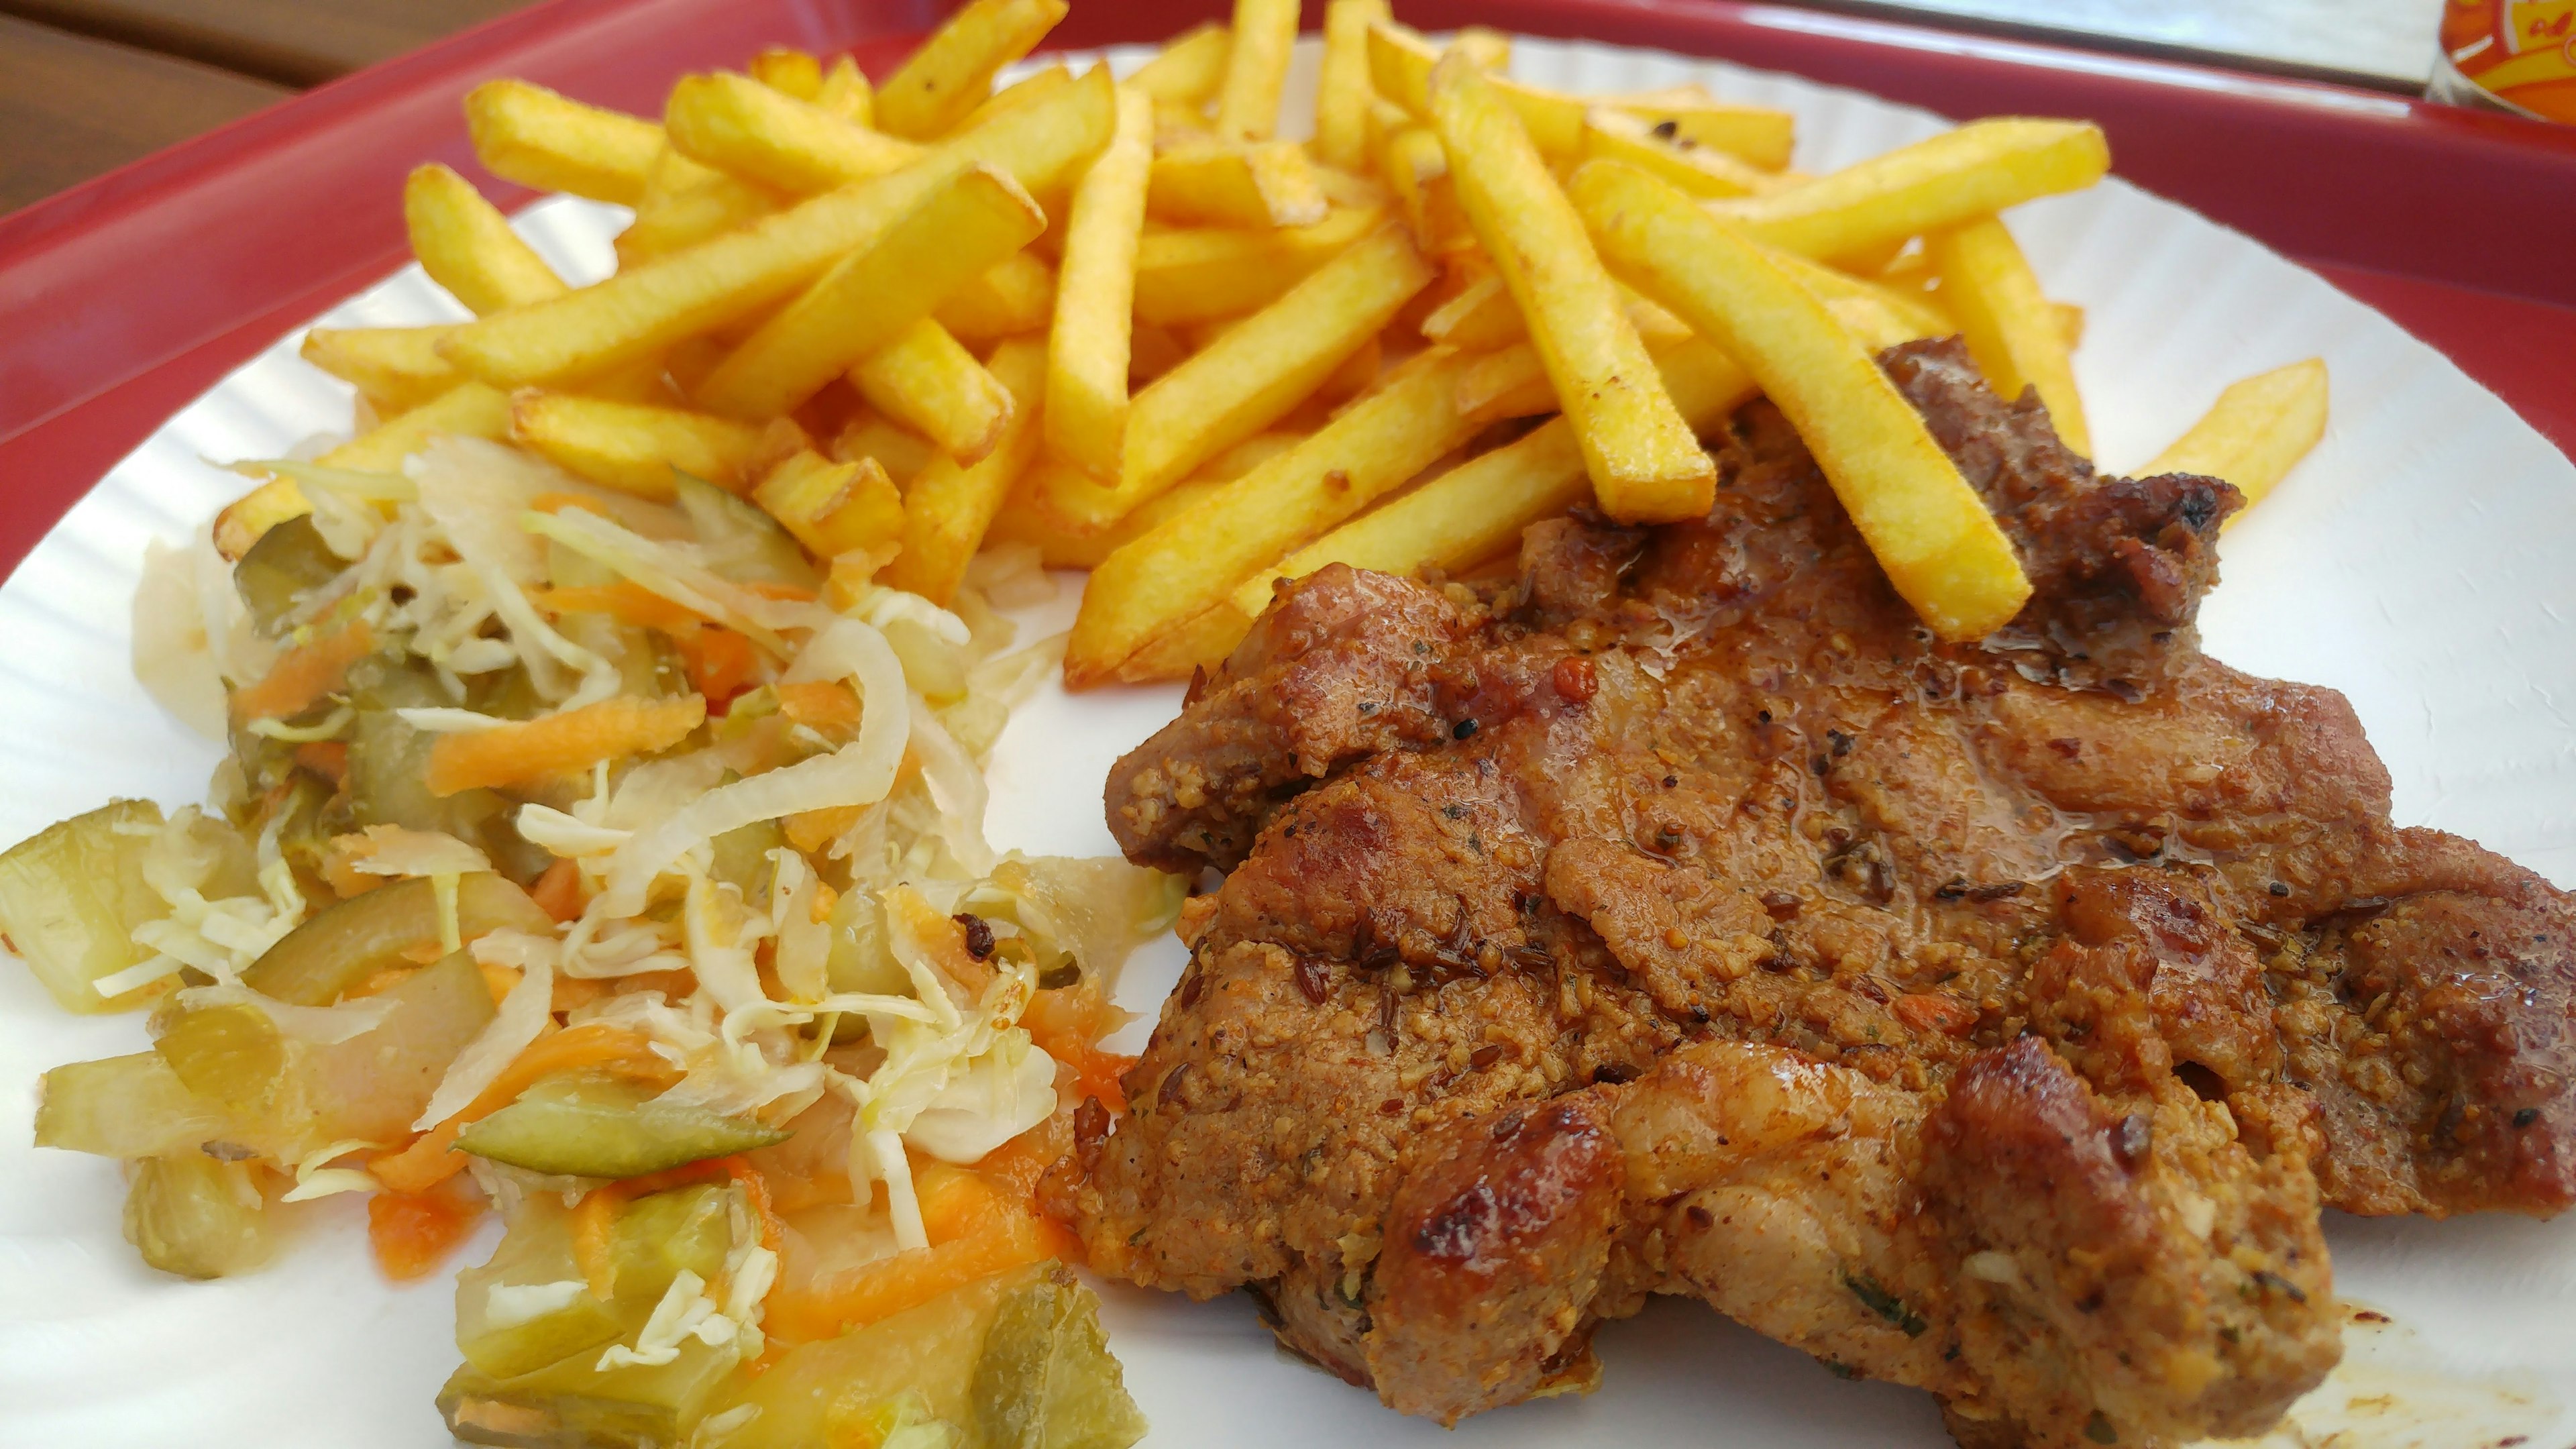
x=1955 y=177
x=927 y=381
x=952 y=72
x=1194 y=560
x=1911 y=309
x=831 y=508
x=845 y=92
x=739 y=126
x=1400 y=62
x=1646 y=464
x=949 y=506
x=1190 y=67
x=2070 y=323
x=690 y=215
x=1088 y=345
x=1027 y=90
x=643 y=311
x=1154 y=351
x=901 y=452
x=1417 y=170
x=957 y=232
x=2011 y=329
x=528 y=134
x=469 y=409
x=1013 y=296
x=1255 y=373
x=633 y=447
x=1756 y=135
x=1649 y=146
x=1930 y=530
x=1511 y=382
x=1482 y=316
x=1023 y=519
x=795 y=72
x=2255 y=433
x=1256 y=69
x=1204 y=273
x=398 y=368
x=466 y=245
x=1223 y=183
x=1343 y=95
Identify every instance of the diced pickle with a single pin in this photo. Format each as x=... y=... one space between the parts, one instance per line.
x=931 y=1350
x=71 y=896
x=739 y=541
x=742 y=857
x=389 y=782
x=195 y=1216
x=132 y=1106
x=231 y=1055
x=592 y=1124
x=342 y=948
x=289 y=561
x=1046 y=1379
x=574 y=1404
x=661 y=1235
x=508 y=1335
x=371 y=1086
x=930 y=664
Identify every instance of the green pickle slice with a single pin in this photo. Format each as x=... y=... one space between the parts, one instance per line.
x=1046 y=1379
x=593 y=1124
x=71 y=896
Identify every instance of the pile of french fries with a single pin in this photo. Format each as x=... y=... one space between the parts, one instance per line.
x=1126 y=322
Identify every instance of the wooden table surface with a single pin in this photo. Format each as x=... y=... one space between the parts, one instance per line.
x=88 y=85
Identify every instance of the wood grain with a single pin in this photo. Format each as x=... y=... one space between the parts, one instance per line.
x=291 y=42
x=72 y=107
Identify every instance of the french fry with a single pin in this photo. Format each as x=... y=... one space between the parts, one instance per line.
x=831 y=508
x=1956 y=177
x=1511 y=382
x=1016 y=295
x=1650 y=146
x=469 y=409
x=1088 y=345
x=2255 y=433
x=2070 y=323
x=902 y=452
x=1342 y=96
x=845 y=92
x=1417 y=170
x=1254 y=374
x=1153 y=352
x=528 y=134
x=1203 y=273
x=1930 y=530
x=962 y=228
x=1194 y=560
x=645 y=310
x=1190 y=67
x=398 y=368
x=739 y=126
x=794 y=72
x=1400 y=62
x=466 y=245
x=927 y=381
x=1486 y=48
x=1221 y=183
x=948 y=507
x=1024 y=521
x=1256 y=69
x=952 y=72
x=1478 y=509
x=1646 y=465
x=1912 y=310
x=632 y=447
x=1481 y=317
x=719 y=204
x=1028 y=90
x=2011 y=329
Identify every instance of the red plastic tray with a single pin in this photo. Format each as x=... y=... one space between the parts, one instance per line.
x=122 y=299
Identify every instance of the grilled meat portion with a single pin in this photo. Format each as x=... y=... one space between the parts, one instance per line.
x=1681 y=917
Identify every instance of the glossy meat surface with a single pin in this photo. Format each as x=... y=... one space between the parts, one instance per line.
x=1988 y=1018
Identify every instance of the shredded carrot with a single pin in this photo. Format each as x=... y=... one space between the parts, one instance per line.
x=498 y=979
x=1069 y=1023
x=326 y=758
x=625 y=602
x=942 y=939
x=558 y=891
x=574 y=740
x=792 y=593
x=1015 y=1167
x=811 y=830
x=573 y=992
x=908 y=1280
x=955 y=1202
x=721 y=663
x=306 y=673
x=820 y=704
x=431 y=1157
x=558 y=502
x=826 y=900
x=594 y=1237
x=412 y=1233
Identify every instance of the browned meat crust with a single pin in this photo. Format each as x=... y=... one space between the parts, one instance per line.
x=1990 y=1018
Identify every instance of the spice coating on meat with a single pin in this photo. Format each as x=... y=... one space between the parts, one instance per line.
x=1987 y=1018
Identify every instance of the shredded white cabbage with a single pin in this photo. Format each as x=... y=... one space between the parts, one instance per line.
x=315 y=1177
x=507 y=1305
x=395 y=851
x=179 y=656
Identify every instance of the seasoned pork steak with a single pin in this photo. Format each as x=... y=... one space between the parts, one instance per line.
x=1681 y=917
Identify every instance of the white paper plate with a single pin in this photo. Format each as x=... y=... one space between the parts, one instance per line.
x=2416 y=562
